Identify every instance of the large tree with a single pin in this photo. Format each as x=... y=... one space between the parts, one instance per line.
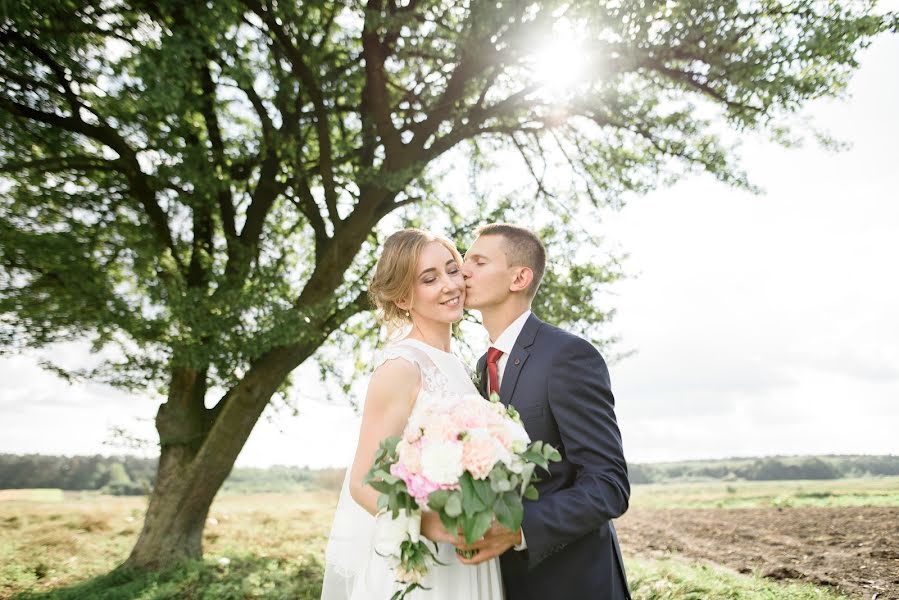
x=200 y=184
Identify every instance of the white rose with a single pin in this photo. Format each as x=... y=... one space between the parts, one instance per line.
x=390 y=532
x=441 y=462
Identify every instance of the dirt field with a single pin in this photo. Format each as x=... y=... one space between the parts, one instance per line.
x=853 y=550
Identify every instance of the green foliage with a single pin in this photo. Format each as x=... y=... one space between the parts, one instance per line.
x=773 y=468
x=199 y=184
x=122 y=475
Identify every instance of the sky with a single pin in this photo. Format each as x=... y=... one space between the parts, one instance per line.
x=760 y=324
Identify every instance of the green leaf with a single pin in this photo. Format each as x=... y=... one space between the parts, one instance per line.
x=471 y=503
x=551 y=454
x=381 y=486
x=526 y=474
x=509 y=510
x=453 y=505
x=437 y=499
x=450 y=523
x=531 y=493
x=475 y=527
x=484 y=491
x=503 y=512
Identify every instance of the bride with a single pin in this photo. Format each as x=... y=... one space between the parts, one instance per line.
x=417 y=287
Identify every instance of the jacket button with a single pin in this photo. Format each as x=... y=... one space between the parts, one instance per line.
x=517 y=361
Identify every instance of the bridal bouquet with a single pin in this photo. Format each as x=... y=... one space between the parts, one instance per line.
x=468 y=459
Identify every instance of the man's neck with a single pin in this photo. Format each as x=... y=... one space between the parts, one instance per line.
x=498 y=318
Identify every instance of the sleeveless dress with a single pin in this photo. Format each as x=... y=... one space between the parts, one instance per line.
x=353 y=571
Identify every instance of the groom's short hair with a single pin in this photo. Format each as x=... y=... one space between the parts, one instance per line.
x=523 y=249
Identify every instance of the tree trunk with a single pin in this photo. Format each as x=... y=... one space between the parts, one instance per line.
x=171 y=535
x=198 y=450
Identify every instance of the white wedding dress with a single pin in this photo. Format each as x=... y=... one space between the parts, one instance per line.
x=353 y=571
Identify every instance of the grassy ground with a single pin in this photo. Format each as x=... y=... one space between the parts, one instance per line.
x=882 y=491
x=674 y=579
x=63 y=546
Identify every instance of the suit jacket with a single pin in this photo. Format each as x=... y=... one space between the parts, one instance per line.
x=560 y=386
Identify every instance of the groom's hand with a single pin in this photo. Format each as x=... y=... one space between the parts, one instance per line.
x=497 y=540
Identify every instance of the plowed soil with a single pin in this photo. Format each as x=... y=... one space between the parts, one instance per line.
x=852 y=550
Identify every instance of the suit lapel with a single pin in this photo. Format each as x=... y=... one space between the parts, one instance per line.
x=517 y=358
x=515 y=363
x=482 y=375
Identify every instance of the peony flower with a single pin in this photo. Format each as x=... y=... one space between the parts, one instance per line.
x=441 y=462
x=479 y=455
x=418 y=486
x=440 y=427
x=469 y=412
x=409 y=456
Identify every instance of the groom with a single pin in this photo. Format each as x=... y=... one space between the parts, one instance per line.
x=567 y=547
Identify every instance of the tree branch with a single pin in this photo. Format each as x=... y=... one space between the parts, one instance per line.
x=375 y=99
x=140 y=184
x=302 y=71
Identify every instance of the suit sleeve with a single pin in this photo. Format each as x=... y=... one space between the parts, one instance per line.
x=581 y=402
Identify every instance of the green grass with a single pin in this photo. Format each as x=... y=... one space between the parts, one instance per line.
x=241 y=578
x=271 y=546
x=880 y=491
x=675 y=579
x=254 y=577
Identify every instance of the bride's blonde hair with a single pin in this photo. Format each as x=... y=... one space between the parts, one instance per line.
x=394 y=275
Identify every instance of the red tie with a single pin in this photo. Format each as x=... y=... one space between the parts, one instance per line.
x=493 y=355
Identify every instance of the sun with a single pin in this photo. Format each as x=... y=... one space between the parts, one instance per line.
x=558 y=65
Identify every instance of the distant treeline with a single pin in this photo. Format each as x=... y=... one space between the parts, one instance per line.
x=127 y=475
x=775 y=468
x=130 y=475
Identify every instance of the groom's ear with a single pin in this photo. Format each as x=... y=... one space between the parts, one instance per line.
x=523 y=279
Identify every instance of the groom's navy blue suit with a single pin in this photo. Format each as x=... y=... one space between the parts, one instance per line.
x=560 y=386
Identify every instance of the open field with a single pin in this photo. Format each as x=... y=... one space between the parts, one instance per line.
x=852 y=550
x=271 y=545
x=873 y=491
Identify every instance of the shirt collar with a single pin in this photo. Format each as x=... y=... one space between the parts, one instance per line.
x=507 y=338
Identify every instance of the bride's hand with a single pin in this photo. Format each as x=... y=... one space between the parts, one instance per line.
x=433 y=529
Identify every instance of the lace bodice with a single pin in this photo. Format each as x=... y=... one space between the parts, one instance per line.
x=441 y=372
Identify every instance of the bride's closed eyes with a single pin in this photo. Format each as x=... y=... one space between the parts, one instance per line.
x=452 y=268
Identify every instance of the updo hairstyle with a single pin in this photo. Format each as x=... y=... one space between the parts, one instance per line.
x=394 y=275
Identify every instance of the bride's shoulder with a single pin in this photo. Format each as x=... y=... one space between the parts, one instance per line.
x=399 y=359
x=394 y=371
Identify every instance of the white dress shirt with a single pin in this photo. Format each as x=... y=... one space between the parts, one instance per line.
x=505 y=342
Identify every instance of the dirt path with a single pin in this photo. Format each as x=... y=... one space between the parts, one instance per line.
x=854 y=550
